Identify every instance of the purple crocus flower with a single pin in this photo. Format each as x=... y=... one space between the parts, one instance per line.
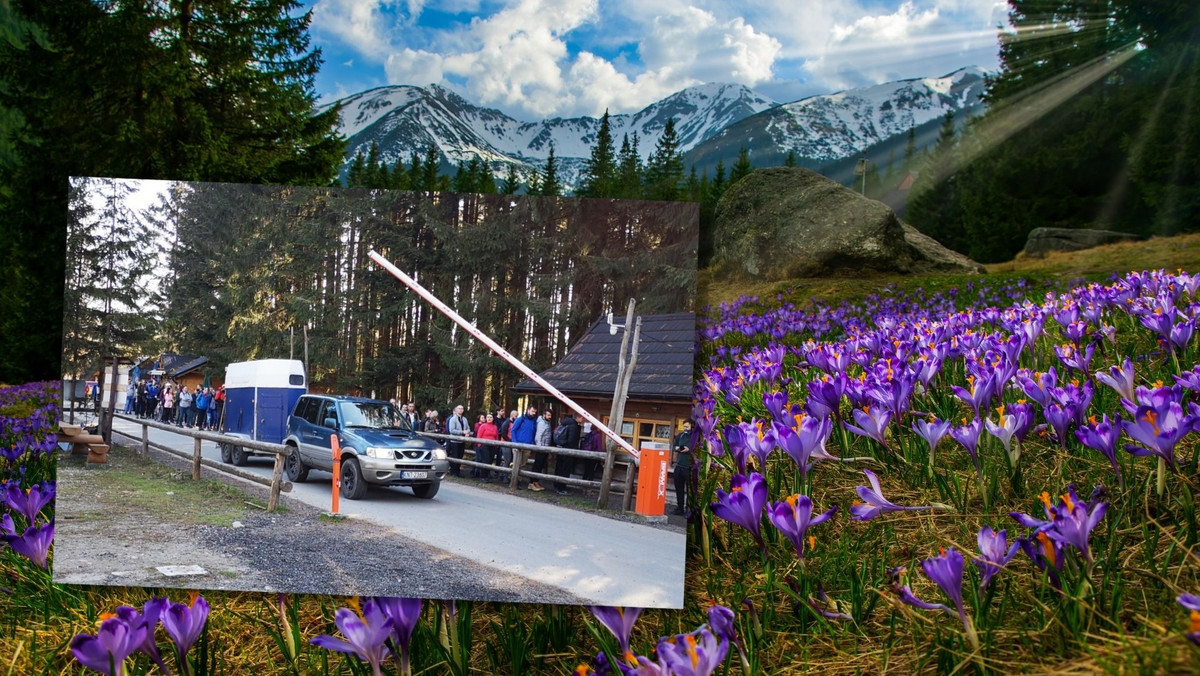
x=1059 y=420
x=759 y=443
x=366 y=636
x=794 y=516
x=619 y=621
x=1004 y=431
x=404 y=614
x=34 y=543
x=1103 y=436
x=735 y=442
x=946 y=571
x=1120 y=378
x=28 y=502
x=806 y=443
x=743 y=504
x=1073 y=358
x=1192 y=603
x=1073 y=522
x=906 y=595
x=872 y=423
x=8 y=529
x=699 y=653
x=1046 y=555
x=874 y=503
x=720 y=619
x=968 y=436
x=776 y=403
x=994 y=553
x=1037 y=386
x=1159 y=430
x=184 y=623
x=981 y=392
x=931 y=431
x=106 y=650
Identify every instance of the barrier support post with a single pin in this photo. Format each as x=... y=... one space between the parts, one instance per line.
x=337 y=470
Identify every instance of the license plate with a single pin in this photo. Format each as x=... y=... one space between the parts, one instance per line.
x=414 y=475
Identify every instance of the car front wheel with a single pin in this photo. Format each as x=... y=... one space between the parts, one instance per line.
x=426 y=491
x=353 y=485
x=297 y=471
x=226 y=453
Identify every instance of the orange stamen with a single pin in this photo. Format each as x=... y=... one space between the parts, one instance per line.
x=1066 y=497
x=1047 y=548
x=1045 y=498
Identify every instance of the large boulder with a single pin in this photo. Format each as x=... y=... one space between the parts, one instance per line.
x=784 y=223
x=1042 y=241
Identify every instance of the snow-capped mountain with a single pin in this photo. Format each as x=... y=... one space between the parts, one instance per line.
x=713 y=122
x=403 y=119
x=825 y=129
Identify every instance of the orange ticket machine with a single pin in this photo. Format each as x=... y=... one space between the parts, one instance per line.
x=652 y=479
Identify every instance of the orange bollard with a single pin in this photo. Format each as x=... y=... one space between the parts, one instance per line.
x=337 y=470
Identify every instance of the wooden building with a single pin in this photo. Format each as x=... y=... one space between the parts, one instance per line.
x=660 y=392
x=181 y=369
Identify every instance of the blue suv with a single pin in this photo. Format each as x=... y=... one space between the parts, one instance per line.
x=378 y=446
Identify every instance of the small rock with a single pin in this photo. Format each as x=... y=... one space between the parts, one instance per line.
x=238 y=524
x=170 y=492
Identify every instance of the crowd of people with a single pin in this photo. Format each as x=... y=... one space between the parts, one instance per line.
x=169 y=402
x=531 y=427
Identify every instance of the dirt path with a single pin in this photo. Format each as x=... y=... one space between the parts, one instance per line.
x=117 y=524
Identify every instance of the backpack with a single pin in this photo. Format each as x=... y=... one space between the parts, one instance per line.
x=504 y=429
x=561 y=436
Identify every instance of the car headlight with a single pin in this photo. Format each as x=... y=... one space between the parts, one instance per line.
x=381 y=452
x=439 y=453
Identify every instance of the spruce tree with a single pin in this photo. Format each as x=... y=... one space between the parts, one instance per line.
x=600 y=172
x=207 y=90
x=629 y=169
x=664 y=170
x=742 y=167
x=547 y=184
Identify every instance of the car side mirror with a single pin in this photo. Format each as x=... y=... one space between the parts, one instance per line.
x=330 y=422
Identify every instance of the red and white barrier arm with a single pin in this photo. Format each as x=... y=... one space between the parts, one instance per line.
x=495 y=347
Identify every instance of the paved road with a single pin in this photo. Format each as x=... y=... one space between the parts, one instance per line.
x=605 y=560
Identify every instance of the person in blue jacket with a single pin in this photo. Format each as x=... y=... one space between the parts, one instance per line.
x=523 y=431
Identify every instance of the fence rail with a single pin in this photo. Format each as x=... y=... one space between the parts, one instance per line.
x=521 y=455
x=279 y=450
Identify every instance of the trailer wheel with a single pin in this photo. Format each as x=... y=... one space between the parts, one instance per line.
x=238 y=456
x=297 y=471
x=426 y=491
x=353 y=485
x=226 y=453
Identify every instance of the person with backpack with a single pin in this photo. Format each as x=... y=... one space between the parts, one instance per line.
x=566 y=435
x=504 y=427
x=200 y=402
x=524 y=431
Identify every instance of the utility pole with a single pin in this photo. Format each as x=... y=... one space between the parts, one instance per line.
x=617 y=412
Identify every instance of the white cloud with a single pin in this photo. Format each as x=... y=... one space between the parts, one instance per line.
x=695 y=46
x=417 y=67
x=886 y=28
x=360 y=23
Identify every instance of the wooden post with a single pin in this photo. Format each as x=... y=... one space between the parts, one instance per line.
x=276 y=479
x=627 y=499
x=112 y=402
x=145 y=439
x=514 y=479
x=615 y=413
x=196 y=459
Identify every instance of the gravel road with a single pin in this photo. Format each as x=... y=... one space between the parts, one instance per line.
x=103 y=537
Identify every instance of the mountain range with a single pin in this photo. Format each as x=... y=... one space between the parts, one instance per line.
x=713 y=121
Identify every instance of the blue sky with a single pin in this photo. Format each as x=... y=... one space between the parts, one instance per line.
x=544 y=58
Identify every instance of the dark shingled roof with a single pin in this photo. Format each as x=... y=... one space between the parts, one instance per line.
x=664 y=366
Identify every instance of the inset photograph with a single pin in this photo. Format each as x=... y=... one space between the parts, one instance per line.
x=370 y=392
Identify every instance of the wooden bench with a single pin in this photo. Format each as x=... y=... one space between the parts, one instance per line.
x=83 y=443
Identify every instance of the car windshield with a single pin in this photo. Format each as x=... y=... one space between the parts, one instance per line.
x=376 y=414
